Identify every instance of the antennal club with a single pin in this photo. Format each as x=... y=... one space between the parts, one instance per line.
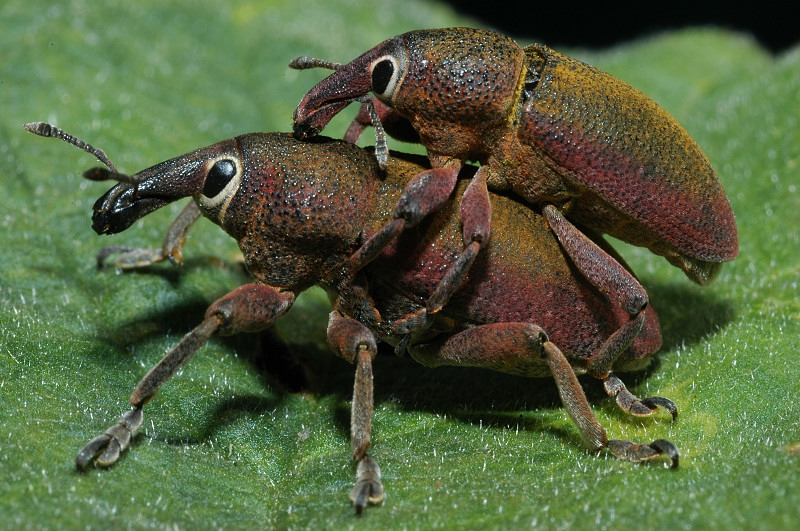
x=49 y=130
x=95 y=174
x=381 y=148
x=305 y=62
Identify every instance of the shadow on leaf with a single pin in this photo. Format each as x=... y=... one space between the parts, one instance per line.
x=469 y=395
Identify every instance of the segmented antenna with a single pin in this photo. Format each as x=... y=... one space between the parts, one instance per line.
x=305 y=62
x=95 y=174
x=49 y=130
x=102 y=174
x=381 y=148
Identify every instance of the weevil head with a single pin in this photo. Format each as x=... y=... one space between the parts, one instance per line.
x=379 y=70
x=203 y=173
x=299 y=206
x=295 y=208
x=459 y=89
x=456 y=86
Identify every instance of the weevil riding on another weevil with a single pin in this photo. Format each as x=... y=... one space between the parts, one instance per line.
x=573 y=140
x=300 y=211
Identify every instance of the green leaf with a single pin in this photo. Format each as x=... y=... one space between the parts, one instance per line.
x=225 y=444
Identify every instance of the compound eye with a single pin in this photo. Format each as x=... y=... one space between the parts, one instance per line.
x=218 y=177
x=223 y=178
x=386 y=72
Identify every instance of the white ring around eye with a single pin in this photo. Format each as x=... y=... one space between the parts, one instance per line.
x=215 y=207
x=394 y=81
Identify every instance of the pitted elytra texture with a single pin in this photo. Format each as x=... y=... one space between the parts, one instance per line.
x=322 y=213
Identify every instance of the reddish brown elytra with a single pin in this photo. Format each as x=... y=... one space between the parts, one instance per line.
x=308 y=213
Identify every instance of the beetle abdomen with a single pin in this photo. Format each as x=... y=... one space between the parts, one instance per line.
x=608 y=137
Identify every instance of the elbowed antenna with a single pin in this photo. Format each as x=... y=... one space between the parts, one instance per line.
x=95 y=174
x=49 y=130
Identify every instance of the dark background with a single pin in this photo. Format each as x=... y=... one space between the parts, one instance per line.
x=602 y=24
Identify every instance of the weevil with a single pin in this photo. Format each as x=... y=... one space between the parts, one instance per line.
x=563 y=135
x=301 y=210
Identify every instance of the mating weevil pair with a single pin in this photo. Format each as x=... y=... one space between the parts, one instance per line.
x=301 y=211
x=320 y=212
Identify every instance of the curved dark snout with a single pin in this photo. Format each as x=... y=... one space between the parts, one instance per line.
x=346 y=85
x=309 y=125
x=121 y=207
x=148 y=190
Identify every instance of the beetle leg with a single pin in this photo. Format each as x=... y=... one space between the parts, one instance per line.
x=424 y=194
x=611 y=278
x=354 y=342
x=578 y=408
x=609 y=275
x=171 y=248
x=395 y=125
x=602 y=270
x=105 y=449
x=518 y=348
x=369 y=488
x=475 y=212
x=627 y=401
x=248 y=308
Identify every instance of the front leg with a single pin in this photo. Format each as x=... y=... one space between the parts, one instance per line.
x=171 y=248
x=524 y=349
x=395 y=125
x=426 y=193
x=248 y=308
x=475 y=212
x=355 y=343
x=423 y=195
